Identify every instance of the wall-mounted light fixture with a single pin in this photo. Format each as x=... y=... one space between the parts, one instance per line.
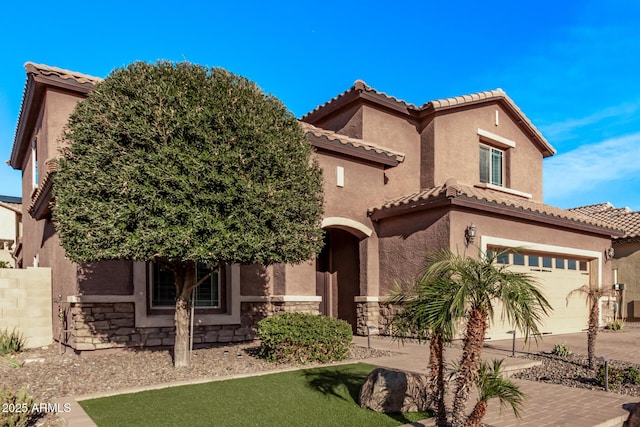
x=609 y=253
x=469 y=234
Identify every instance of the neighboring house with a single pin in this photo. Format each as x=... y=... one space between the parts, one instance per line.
x=10 y=228
x=626 y=255
x=463 y=173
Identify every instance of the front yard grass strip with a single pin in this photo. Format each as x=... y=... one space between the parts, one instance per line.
x=325 y=396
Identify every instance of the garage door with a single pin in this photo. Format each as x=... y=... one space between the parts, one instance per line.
x=556 y=276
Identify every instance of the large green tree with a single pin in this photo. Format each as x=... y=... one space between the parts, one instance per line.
x=186 y=164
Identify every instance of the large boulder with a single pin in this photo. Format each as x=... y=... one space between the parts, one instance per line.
x=391 y=391
x=634 y=415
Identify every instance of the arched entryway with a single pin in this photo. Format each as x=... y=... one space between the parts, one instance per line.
x=338 y=274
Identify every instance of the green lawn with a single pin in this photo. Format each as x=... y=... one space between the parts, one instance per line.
x=310 y=397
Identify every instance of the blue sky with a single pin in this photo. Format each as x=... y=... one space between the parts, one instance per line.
x=573 y=67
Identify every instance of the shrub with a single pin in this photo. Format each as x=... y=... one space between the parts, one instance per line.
x=632 y=375
x=618 y=325
x=562 y=350
x=618 y=375
x=18 y=407
x=12 y=342
x=304 y=338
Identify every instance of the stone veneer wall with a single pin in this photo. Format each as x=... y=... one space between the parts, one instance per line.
x=368 y=318
x=99 y=326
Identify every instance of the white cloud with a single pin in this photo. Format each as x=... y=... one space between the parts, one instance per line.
x=592 y=165
x=570 y=128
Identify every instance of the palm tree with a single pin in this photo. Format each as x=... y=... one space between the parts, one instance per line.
x=477 y=284
x=592 y=298
x=451 y=289
x=425 y=315
x=491 y=384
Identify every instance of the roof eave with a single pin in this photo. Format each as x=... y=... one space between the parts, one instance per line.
x=358 y=152
x=32 y=99
x=546 y=148
x=462 y=201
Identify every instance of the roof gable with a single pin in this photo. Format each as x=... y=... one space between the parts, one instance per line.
x=360 y=91
x=39 y=78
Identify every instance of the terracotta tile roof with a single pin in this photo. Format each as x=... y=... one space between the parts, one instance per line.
x=349 y=141
x=621 y=218
x=453 y=189
x=496 y=94
x=46 y=70
x=39 y=205
x=360 y=86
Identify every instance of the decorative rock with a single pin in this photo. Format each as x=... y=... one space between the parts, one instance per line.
x=391 y=391
x=634 y=415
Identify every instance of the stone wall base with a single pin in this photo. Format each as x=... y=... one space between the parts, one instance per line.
x=101 y=326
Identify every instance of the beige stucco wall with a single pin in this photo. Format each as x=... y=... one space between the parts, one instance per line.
x=399 y=134
x=25 y=304
x=364 y=186
x=488 y=224
x=627 y=262
x=456 y=148
x=405 y=240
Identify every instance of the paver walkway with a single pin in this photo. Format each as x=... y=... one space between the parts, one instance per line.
x=546 y=404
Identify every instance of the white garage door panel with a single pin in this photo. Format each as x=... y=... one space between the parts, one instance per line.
x=555 y=284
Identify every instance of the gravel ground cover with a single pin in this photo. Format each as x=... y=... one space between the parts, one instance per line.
x=573 y=371
x=48 y=374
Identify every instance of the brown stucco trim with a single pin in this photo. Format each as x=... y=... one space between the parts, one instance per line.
x=39 y=78
x=40 y=207
x=495 y=208
x=462 y=201
x=358 y=152
x=360 y=91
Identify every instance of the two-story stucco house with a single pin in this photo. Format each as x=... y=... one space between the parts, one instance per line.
x=400 y=180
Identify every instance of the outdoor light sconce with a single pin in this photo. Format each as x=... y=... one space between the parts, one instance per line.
x=609 y=253
x=469 y=234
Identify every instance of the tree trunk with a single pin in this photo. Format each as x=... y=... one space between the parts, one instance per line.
x=184 y=273
x=469 y=364
x=181 y=345
x=593 y=331
x=436 y=379
x=478 y=413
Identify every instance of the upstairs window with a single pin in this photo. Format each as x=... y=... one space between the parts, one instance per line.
x=34 y=163
x=491 y=165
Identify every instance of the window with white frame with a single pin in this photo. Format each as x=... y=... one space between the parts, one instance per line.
x=491 y=165
x=163 y=289
x=34 y=163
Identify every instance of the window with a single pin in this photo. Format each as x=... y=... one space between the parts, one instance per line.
x=534 y=261
x=547 y=262
x=491 y=165
x=503 y=258
x=560 y=263
x=518 y=259
x=571 y=264
x=34 y=163
x=163 y=290
x=582 y=265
